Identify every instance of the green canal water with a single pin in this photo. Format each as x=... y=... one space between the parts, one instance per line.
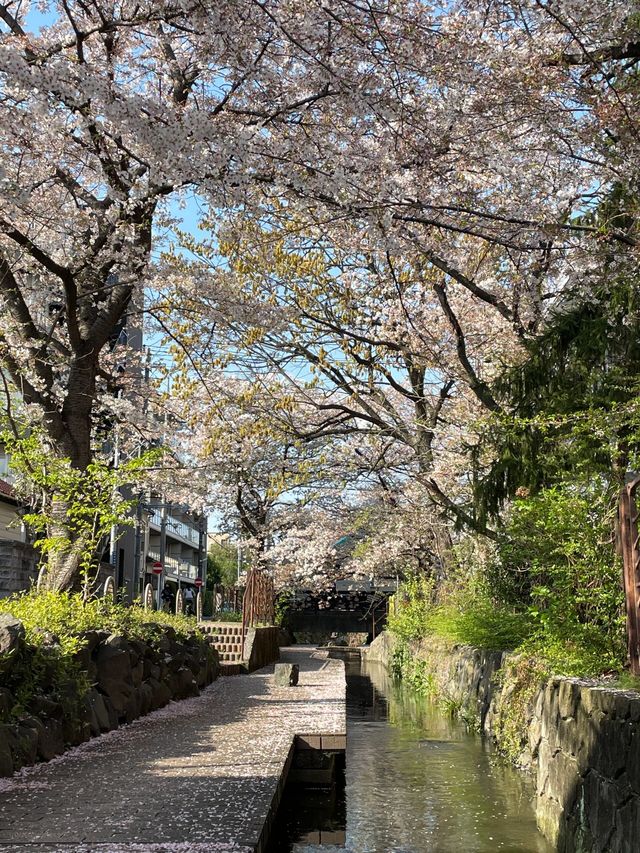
x=415 y=781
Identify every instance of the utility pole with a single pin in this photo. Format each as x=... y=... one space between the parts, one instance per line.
x=113 y=539
x=163 y=517
x=137 y=551
x=202 y=549
x=163 y=548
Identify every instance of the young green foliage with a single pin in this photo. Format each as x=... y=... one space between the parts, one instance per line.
x=72 y=511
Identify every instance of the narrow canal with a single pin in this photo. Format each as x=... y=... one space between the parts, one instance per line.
x=415 y=782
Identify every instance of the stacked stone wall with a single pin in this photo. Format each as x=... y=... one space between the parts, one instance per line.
x=582 y=744
x=128 y=678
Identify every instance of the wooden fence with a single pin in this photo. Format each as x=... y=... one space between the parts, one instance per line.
x=630 y=548
x=258 y=601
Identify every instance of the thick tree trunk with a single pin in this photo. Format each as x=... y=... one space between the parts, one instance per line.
x=63 y=570
x=77 y=412
x=64 y=566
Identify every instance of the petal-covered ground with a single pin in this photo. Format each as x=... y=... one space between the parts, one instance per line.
x=198 y=776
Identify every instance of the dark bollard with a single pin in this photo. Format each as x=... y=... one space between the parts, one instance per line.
x=286 y=674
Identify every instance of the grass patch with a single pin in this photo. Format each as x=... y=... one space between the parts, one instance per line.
x=228 y=616
x=481 y=623
x=626 y=681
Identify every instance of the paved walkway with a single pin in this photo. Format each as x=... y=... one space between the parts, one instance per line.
x=202 y=775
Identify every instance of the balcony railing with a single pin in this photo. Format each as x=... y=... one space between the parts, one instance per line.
x=175 y=566
x=179 y=528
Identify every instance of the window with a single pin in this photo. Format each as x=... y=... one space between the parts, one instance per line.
x=4 y=465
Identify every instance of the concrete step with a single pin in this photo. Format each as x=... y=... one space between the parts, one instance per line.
x=232 y=668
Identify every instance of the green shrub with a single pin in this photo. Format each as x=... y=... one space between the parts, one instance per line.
x=66 y=615
x=229 y=616
x=469 y=617
x=54 y=624
x=521 y=678
x=478 y=621
x=553 y=591
x=409 y=608
x=412 y=670
x=560 y=545
x=284 y=600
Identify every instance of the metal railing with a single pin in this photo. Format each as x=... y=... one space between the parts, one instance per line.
x=175 y=565
x=180 y=528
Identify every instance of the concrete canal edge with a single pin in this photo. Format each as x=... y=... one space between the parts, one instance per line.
x=316 y=735
x=582 y=743
x=303 y=772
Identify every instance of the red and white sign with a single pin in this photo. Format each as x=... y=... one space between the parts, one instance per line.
x=198 y=582
x=157 y=568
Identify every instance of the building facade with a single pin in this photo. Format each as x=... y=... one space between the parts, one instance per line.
x=175 y=542
x=17 y=556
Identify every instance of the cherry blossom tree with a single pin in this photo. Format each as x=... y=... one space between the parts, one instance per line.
x=477 y=140
x=107 y=111
x=257 y=476
x=360 y=344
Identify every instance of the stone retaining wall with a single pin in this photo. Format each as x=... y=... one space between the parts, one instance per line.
x=582 y=744
x=129 y=678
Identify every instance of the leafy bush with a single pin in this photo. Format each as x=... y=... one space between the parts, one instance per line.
x=560 y=545
x=229 y=616
x=67 y=616
x=222 y=564
x=283 y=604
x=521 y=677
x=54 y=624
x=469 y=617
x=553 y=591
x=479 y=621
x=412 y=670
x=409 y=608
x=75 y=508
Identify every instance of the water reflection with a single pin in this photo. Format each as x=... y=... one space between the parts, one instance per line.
x=418 y=782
